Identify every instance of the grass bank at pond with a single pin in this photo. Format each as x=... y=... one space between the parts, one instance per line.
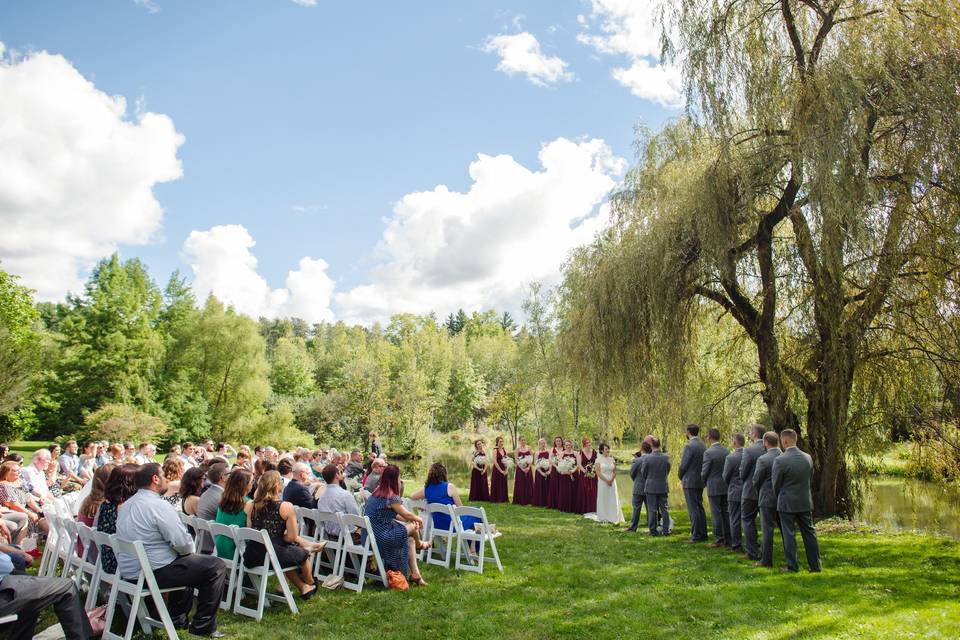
x=566 y=577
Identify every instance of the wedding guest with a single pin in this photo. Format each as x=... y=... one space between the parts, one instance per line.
x=567 y=497
x=336 y=499
x=29 y=596
x=88 y=461
x=479 y=489
x=91 y=504
x=173 y=472
x=437 y=490
x=297 y=492
x=767 y=501
x=145 y=453
x=749 y=498
x=209 y=500
x=187 y=456
x=731 y=475
x=541 y=477
x=711 y=474
x=4 y=450
x=150 y=519
x=231 y=511
x=639 y=496
x=587 y=477
x=278 y=518
x=553 y=495
x=374 y=444
x=243 y=461
x=15 y=497
x=691 y=463
x=285 y=469
x=396 y=530
x=35 y=475
x=354 y=468
x=523 y=477
x=191 y=486
x=655 y=469
x=608 y=498
x=498 y=473
x=791 y=484
x=16 y=524
x=70 y=465
x=120 y=488
x=373 y=478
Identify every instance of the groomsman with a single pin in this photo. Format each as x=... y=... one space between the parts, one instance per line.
x=791 y=484
x=639 y=497
x=691 y=464
x=763 y=481
x=749 y=498
x=731 y=475
x=712 y=475
x=655 y=469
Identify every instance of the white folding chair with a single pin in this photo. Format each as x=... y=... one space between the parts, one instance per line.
x=203 y=538
x=420 y=508
x=232 y=563
x=50 y=548
x=329 y=557
x=259 y=576
x=8 y=619
x=443 y=540
x=83 y=565
x=61 y=548
x=70 y=556
x=359 y=554
x=465 y=558
x=100 y=576
x=145 y=586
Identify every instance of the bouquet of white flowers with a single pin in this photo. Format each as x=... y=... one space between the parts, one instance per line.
x=591 y=470
x=480 y=460
x=566 y=465
x=524 y=462
x=507 y=462
x=353 y=484
x=544 y=464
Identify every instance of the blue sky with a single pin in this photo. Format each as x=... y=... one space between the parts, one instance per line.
x=307 y=124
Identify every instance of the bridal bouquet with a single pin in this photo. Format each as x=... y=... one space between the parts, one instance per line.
x=480 y=461
x=507 y=463
x=353 y=484
x=591 y=472
x=524 y=462
x=544 y=464
x=566 y=465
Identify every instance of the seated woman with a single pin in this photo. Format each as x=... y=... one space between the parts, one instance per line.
x=14 y=497
x=438 y=491
x=91 y=504
x=119 y=489
x=231 y=509
x=191 y=486
x=396 y=530
x=266 y=511
x=173 y=472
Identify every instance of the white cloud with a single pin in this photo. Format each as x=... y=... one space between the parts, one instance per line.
x=223 y=264
x=630 y=28
x=76 y=173
x=443 y=249
x=521 y=53
x=306 y=3
x=149 y=5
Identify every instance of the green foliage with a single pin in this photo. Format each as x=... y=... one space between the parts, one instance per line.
x=291 y=368
x=121 y=423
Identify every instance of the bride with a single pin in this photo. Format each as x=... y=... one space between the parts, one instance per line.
x=608 y=500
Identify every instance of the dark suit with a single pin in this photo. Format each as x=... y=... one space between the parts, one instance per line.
x=29 y=596
x=763 y=481
x=749 y=500
x=297 y=494
x=791 y=485
x=691 y=464
x=655 y=469
x=731 y=475
x=712 y=475
x=639 y=497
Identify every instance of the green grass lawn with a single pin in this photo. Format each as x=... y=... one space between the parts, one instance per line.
x=566 y=577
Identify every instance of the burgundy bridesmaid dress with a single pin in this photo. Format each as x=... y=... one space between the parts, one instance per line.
x=541 y=483
x=567 y=500
x=588 y=486
x=523 y=481
x=498 y=481
x=553 y=495
x=479 y=490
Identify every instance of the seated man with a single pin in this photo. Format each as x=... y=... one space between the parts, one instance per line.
x=34 y=475
x=28 y=596
x=297 y=492
x=373 y=478
x=355 y=466
x=151 y=519
x=335 y=499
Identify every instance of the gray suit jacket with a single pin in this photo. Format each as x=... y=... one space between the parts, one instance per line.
x=691 y=463
x=638 y=481
x=763 y=478
x=731 y=475
x=209 y=502
x=791 y=481
x=747 y=464
x=654 y=470
x=712 y=470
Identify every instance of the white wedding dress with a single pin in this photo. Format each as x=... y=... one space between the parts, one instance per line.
x=608 y=500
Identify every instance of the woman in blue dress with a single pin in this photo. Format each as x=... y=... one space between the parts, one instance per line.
x=438 y=491
x=396 y=530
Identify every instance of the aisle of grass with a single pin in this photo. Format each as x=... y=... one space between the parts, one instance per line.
x=566 y=577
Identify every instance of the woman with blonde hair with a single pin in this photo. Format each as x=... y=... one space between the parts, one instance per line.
x=173 y=472
x=268 y=512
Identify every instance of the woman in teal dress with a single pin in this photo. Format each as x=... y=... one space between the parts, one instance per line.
x=230 y=511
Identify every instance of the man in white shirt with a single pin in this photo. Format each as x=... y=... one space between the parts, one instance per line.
x=146 y=453
x=335 y=499
x=34 y=474
x=151 y=519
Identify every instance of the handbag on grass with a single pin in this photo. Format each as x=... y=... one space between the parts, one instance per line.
x=396 y=580
x=332 y=582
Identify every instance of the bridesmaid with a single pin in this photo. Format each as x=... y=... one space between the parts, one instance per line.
x=541 y=478
x=498 y=479
x=479 y=489
x=586 y=459
x=523 y=478
x=553 y=496
x=567 y=501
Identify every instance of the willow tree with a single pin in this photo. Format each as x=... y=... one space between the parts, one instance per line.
x=818 y=154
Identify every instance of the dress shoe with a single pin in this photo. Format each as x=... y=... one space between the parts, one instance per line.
x=630 y=530
x=717 y=545
x=213 y=634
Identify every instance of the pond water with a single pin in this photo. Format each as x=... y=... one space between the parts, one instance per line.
x=890 y=503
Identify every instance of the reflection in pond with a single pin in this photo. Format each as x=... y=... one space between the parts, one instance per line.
x=889 y=503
